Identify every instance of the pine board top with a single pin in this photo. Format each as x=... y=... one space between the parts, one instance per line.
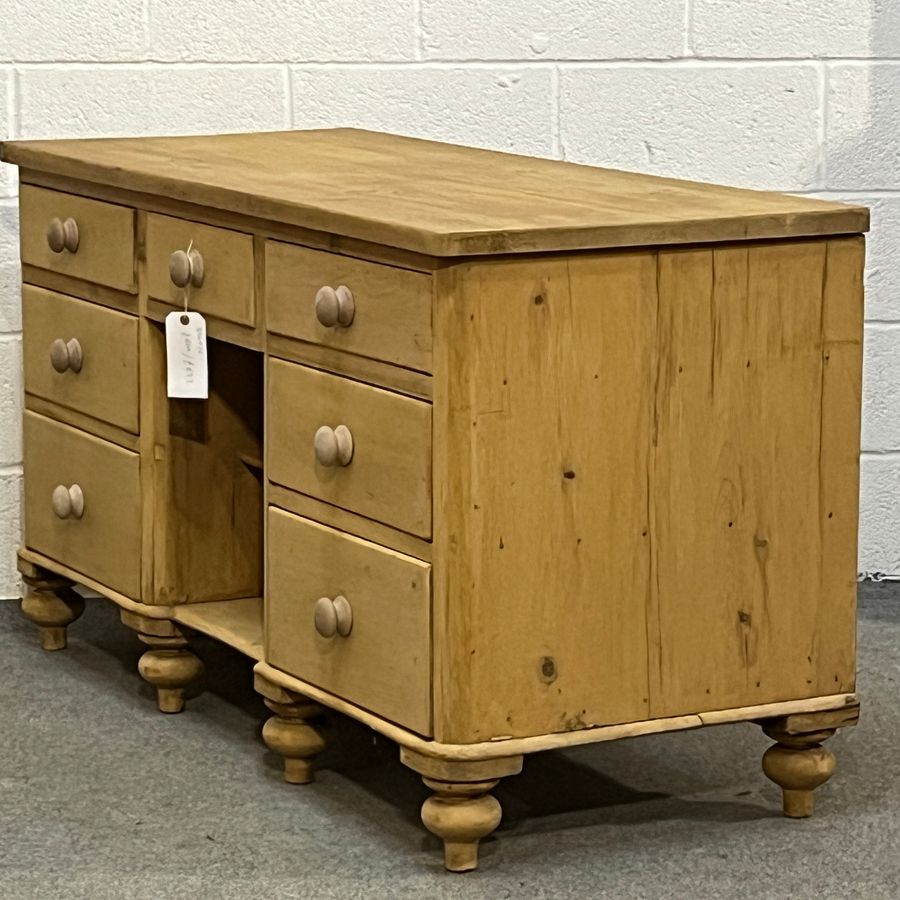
x=432 y=198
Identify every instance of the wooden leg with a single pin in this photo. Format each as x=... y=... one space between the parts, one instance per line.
x=50 y=603
x=798 y=763
x=168 y=665
x=461 y=811
x=289 y=732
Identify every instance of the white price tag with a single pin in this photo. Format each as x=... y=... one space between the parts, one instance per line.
x=186 y=355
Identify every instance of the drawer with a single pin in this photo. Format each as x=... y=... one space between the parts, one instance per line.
x=95 y=348
x=391 y=308
x=384 y=662
x=388 y=477
x=90 y=239
x=104 y=543
x=222 y=270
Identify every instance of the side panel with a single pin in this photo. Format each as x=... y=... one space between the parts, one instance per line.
x=755 y=474
x=646 y=478
x=544 y=376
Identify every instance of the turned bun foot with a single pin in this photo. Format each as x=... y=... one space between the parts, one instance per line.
x=460 y=815
x=289 y=735
x=52 y=605
x=798 y=764
x=170 y=671
x=461 y=811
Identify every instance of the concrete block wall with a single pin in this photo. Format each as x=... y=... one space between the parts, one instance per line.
x=795 y=95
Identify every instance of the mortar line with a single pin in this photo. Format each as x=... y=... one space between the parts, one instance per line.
x=680 y=62
x=555 y=145
x=688 y=36
x=289 y=112
x=823 y=124
x=418 y=31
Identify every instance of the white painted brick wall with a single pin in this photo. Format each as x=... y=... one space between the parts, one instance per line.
x=798 y=95
x=497 y=107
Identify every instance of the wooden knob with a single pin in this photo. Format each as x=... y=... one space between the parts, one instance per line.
x=333 y=616
x=56 y=238
x=334 y=446
x=325 y=617
x=335 y=306
x=66 y=355
x=68 y=502
x=62 y=235
x=186 y=268
x=71 y=236
x=344 y=614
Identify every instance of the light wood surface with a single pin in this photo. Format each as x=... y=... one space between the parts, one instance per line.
x=342 y=520
x=238 y=623
x=429 y=197
x=29 y=559
x=105 y=252
x=392 y=306
x=754 y=475
x=267 y=229
x=106 y=542
x=668 y=483
x=507 y=746
x=359 y=368
x=389 y=476
x=227 y=288
x=543 y=404
x=106 y=386
x=207 y=505
x=384 y=663
x=98 y=428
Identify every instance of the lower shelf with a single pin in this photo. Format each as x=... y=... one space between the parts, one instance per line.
x=238 y=623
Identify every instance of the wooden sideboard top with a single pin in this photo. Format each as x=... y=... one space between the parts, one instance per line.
x=432 y=198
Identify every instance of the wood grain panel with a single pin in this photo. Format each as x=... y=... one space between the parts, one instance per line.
x=754 y=472
x=106 y=387
x=432 y=198
x=204 y=520
x=384 y=664
x=105 y=253
x=392 y=321
x=389 y=477
x=227 y=290
x=105 y=544
x=543 y=402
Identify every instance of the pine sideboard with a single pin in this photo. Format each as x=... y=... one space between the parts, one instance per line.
x=500 y=454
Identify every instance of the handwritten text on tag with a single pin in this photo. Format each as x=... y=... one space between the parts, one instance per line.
x=186 y=355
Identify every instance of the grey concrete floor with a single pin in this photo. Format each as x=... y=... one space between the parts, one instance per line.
x=103 y=797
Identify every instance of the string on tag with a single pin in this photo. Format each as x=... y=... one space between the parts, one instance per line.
x=187 y=287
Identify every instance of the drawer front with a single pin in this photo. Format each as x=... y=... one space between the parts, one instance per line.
x=226 y=257
x=104 y=543
x=104 y=250
x=388 y=477
x=384 y=662
x=81 y=356
x=391 y=308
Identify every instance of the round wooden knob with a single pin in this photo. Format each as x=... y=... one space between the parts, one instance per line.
x=68 y=502
x=66 y=355
x=334 y=446
x=62 y=235
x=325 y=617
x=333 y=616
x=335 y=306
x=56 y=237
x=186 y=268
x=71 y=237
